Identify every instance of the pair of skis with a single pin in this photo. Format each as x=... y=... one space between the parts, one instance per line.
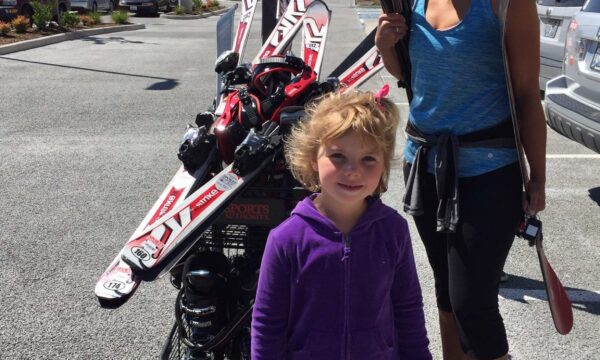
x=179 y=216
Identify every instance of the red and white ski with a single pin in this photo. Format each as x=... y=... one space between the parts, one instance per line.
x=156 y=249
x=367 y=66
x=287 y=26
x=243 y=29
x=315 y=25
x=118 y=281
x=360 y=65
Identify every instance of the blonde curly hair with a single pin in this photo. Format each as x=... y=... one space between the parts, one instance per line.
x=333 y=116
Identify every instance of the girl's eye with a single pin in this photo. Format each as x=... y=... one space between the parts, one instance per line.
x=369 y=159
x=336 y=156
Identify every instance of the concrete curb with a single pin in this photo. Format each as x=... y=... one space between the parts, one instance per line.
x=53 y=39
x=193 y=17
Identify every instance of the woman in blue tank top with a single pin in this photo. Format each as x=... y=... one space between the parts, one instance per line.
x=463 y=180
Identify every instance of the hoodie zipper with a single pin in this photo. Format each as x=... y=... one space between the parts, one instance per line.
x=346 y=261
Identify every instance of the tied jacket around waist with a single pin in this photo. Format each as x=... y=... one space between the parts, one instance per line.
x=323 y=295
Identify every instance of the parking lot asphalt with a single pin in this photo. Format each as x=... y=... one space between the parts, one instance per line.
x=88 y=134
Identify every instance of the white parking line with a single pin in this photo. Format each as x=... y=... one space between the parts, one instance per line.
x=576 y=296
x=573 y=156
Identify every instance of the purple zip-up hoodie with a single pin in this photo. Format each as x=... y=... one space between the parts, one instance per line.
x=326 y=296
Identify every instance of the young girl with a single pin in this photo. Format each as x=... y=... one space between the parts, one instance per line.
x=338 y=278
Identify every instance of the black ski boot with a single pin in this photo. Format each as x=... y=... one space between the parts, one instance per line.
x=205 y=278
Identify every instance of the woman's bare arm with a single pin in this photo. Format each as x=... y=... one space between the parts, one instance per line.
x=391 y=28
x=523 y=47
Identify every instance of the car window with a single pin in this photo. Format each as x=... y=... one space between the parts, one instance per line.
x=592 y=6
x=561 y=3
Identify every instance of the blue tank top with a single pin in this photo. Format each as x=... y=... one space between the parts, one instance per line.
x=458 y=84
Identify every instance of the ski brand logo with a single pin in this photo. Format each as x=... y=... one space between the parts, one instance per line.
x=167 y=205
x=371 y=62
x=289 y=21
x=314 y=34
x=207 y=197
x=247 y=13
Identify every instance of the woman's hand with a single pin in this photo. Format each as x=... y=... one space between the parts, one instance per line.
x=535 y=201
x=391 y=28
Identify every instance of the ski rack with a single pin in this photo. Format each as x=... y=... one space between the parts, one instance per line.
x=118 y=282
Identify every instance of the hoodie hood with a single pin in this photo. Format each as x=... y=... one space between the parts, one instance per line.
x=374 y=212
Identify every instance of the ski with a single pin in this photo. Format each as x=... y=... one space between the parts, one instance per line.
x=284 y=31
x=360 y=65
x=166 y=241
x=149 y=250
x=118 y=282
x=314 y=34
x=243 y=29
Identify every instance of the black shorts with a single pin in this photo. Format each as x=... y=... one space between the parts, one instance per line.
x=467 y=264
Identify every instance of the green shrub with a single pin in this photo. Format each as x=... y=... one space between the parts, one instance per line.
x=179 y=10
x=120 y=17
x=70 y=20
x=4 y=28
x=20 y=24
x=96 y=17
x=42 y=14
x=196 y=4
x=215 y=3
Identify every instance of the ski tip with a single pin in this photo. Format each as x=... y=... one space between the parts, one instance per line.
x=113 y=303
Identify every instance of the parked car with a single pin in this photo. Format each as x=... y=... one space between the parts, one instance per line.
x=151 y=7
x=554 y=19
x=573 y=98
x=10 y=9
x=94 y=5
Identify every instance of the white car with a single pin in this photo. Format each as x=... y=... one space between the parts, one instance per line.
x=554 y=19
x=93 y=5
x=573 y=98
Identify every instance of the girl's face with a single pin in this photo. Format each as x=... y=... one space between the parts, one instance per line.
x=349 y=169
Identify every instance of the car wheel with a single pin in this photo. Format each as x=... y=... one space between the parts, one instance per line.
x=94 y=7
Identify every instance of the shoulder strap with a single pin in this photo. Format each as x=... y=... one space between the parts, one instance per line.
x=502 y=7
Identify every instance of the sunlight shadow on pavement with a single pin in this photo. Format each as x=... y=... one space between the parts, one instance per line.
x=122 y=40
x=595 y=194
x=163 y=84
x=524 y=290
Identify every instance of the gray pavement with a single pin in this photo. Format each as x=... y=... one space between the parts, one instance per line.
x=88 y=133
